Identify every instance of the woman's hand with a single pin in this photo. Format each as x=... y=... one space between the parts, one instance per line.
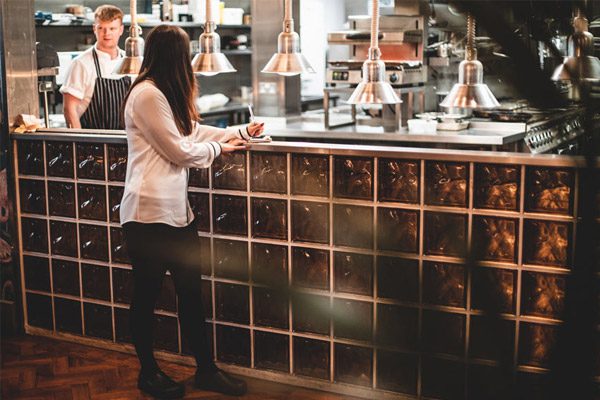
x=256 y=129
x=233 y=145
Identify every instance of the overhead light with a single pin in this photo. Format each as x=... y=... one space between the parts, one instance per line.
x=288 y=61
x=210 y=61
x=470 y=91
x=134 y=46
x=374 y=89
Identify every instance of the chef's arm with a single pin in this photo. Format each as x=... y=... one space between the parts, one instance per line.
x=70 y=105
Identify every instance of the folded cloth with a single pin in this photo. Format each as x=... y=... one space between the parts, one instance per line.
x=26 y=123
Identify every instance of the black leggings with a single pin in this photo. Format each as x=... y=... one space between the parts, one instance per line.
x=154 y=249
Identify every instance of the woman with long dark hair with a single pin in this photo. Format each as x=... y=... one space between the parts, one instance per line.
x=164 y=140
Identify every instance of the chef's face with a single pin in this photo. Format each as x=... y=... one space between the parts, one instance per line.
x=108 y=33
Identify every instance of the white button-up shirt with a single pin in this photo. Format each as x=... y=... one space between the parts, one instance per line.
x=159 y=157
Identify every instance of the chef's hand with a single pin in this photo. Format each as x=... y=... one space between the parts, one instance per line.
x=233 y=145
x=256 y=129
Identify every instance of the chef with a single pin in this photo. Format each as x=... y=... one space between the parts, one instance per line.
x=92 y=94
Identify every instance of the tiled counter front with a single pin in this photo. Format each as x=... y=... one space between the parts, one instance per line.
x=376 y=236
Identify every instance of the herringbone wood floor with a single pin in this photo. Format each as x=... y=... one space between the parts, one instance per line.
x=36 y=368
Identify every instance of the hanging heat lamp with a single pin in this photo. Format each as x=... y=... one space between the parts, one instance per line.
x=374 y=89
x=288 y=61
x=210 y=61
x=470 y=91
x=134 y=46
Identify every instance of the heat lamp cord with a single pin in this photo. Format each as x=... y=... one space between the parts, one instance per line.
x=471 y=52
x=375 y=25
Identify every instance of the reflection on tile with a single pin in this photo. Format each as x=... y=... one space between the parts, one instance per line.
x=549 y=190
x=167 y=300
x=122 y=330
x=269 y=218
x=115 y=194
x=165 y=333
x=269 y=264
x=270 y=308
x=399 y=180
x=311 y=313
x=201 y=207
x=229 y=171
x=494 y=288
x=230 y=215
x=491 y=338
x=353 y=177
x=98 y=321
x=497 y=238
x=311 y=358
x=352 y=319
x=536 y=343
x=443 y=332
x=233 y=345
x=39 y=311
x=95 y=281
x=232 y=303
x=34 y=235
x=353 y=365
x=117 y=162
x=33 y=196
x=397 y=230
x=353 y=226
x=61 y=199
x=268 y=172
x=271 y=351
x=67 y=314
x=543 y=295
x=63 y=238
x=92 y=202
x=490 y=383
x=198 y=177
x=547 y=244
x=310 y=175
x=37 y=273
x=353 y=273
x=445 y=234
x=231 y=259
x=93 y=242
x=90 y=161
x=122 y=281
x=397 y=278
x=31 y=157
x=118 y=251
x=60 y=159
x=397 y=326
x=444 y=284
x=443 y=379
x=65 y=277
x=310 y=268
x=206 y=259
x=310 y=222
x=397 y=372
x=497 y=186
x=446 y=183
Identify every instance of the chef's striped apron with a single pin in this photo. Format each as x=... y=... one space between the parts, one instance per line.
x=104 y=109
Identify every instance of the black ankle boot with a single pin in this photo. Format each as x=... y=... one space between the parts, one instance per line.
x=221 y=382
x=159 y=385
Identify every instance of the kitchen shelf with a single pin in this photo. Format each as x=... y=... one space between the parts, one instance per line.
x=150 y=25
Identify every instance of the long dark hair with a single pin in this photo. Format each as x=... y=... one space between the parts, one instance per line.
x=167 y=63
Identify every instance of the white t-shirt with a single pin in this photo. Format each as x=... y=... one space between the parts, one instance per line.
x=159 y=157
x=81 y=76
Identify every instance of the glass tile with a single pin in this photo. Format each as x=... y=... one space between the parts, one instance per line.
x=230 y=215
x=39 y=310
x=206 y=259
x=353 y=226
x=397 y=230
x=67 y=315
x=444 y=284
x=442 y=379
x=232 y=303
x=98 y=321
x=311 y=313
x=491 y=338
x=199 y=177
x=268 y=172
x=549 y=190
x=37 y=273
x=165 y=333
x=271 y=351
x=269 y=264
x=532 y=385
x=122 y=329
x=353 y=177
x=445 y=234
x=446 y=183
x=61 y=199
x=92 y=202
x=269 y=218
x=233 y=345
x=167 y=299
x=543 y=295
x=229 y=171
x=353 y=364
x=94 y=242
x=65 y=277
x=117 y=162
x=200 y=204
x=494 y=288
x=399 y=180
x=115 y=194
x=231 y=259
x=536 y=343
x=397 y=278
x=311 y=358
x=33 y=196
x=397 y=372
x=496 y=238
x=397 y=326
x=207 y=299
x=95 y=281
x=490 y=383
x=90 y=161
x=547 y=244
x=497 y=186
x=34 y=235
x=353 y=273
x=310 y=268
x=310 y=175
x=310 y=222
x=352 y=319
x=31 y=157
x=270 y=308
x=443 y=332
x=60 y=159
x=63 y=238
x=118 y=249
x=122 y=281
